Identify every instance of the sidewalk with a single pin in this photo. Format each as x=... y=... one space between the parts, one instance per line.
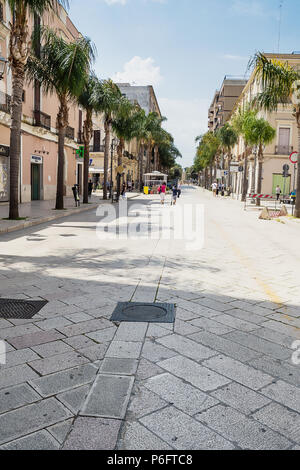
x=39 y=212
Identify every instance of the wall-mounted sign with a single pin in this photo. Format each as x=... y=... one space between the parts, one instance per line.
x=4 y=150
x=36 y=159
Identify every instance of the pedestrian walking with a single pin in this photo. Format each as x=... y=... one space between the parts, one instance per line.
x=278 y=192
x=163 y=188
x=214 y=188
x=129 y=186
x=174 y=195
x=90 y=188
x=223 y=189
x=179 y=190
x=123 y=192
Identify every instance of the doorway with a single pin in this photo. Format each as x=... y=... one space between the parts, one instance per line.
x=35 y=182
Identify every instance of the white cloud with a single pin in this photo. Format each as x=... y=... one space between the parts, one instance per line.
x=235 y=57
x=139 y=71
x=186 y=120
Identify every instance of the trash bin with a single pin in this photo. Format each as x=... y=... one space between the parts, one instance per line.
x=146 y=189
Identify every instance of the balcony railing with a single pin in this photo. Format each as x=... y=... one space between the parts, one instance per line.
x=70 y=132
x=283 y=150
x=42 y=120
x=5 y=102
x=97 y=148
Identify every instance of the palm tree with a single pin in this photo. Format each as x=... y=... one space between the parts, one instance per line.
x=208 y=148
x=109 y=98
x=241 y=122
x=62 y=68
x=140 y=133
x=89 y=100
x=280 y=85
x=228 y=138
x=19 y=45
x=124 y=124
x=260 y=134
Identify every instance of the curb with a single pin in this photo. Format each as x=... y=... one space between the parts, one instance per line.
x=42 y=220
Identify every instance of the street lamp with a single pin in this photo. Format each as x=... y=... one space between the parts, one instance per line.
x=113 y=146
x=3 y=64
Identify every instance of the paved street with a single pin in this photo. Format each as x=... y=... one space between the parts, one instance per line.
x=222 y=377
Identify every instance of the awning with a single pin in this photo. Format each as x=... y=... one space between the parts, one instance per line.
x=97 y=170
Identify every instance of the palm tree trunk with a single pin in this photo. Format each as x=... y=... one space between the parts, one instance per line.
x=141 y=167
x=229 y=172
x=120 y=153
x=297 y=206
x=245 y=180
x=106 y=157
x=87 y=133
x=62 y=122
x=15 y=139
x=259 y=180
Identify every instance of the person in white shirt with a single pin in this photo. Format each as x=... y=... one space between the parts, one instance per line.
x=214 y=188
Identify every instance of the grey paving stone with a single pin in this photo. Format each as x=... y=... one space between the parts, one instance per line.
x=108 y=397
x=183 y=432
x=20 y=356
x=94 y=353
x=214 y=304
x=5 y=323
x=186 y=347
x=79 y=342
x=40 y=440
x=143 y=402
x=284 y=393
x=147 y=369
x=240 y=398
x=128 y=331
x=59 y=362
x=274 y=337
x=16 y=375
x=9 y=333
x=184 y=328
x=65 y=380
x=93 y=434
x=31 y=418
x=156 y=331
x=255 y=309
x=211 y=326
x=225 y=346
x=34 y=339
x=277 y=368
x=186 y=315
x=282 y=328
x=236 y=323
x=280 y=419
x=124 y=349
x=102 y=336
x=17 y=396
x=52 y=323
x=78 y=317
x=60 y=430
x=51 y=349
x=85 y=327
x=246 y=432
x=74 y=399
x=155 y=352
x=199 y=376
x=137 y=437
x=247 y=316
x=119 y=366
x=259 y=344
x=238 y=372
x=179 y=393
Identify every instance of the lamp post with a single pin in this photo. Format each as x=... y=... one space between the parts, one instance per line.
x=113 y=146
x=3 y=64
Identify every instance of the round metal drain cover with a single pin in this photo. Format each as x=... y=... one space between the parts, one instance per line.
x=148 y=312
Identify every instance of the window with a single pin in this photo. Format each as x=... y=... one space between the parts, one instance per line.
x=23 y=96
x=284 y=140
x=1 y=12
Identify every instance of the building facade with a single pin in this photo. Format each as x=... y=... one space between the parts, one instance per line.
x=277 y=153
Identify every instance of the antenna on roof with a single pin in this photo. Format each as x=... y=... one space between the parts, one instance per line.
x=280 y=22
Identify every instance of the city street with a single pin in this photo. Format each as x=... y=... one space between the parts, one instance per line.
x=224 y=376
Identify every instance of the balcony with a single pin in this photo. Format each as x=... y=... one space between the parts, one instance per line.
x=283 y=150
x=5 y=102
x=97 y=148
x=42 y=120
x=70 y=132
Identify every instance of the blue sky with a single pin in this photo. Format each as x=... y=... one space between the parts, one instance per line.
x=183 y=48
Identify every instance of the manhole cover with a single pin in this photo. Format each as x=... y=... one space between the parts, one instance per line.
x=13 y=308
x=144 y=312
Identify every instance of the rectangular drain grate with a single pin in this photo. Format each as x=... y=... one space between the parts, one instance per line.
x=15 y=308
x=144 y=312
